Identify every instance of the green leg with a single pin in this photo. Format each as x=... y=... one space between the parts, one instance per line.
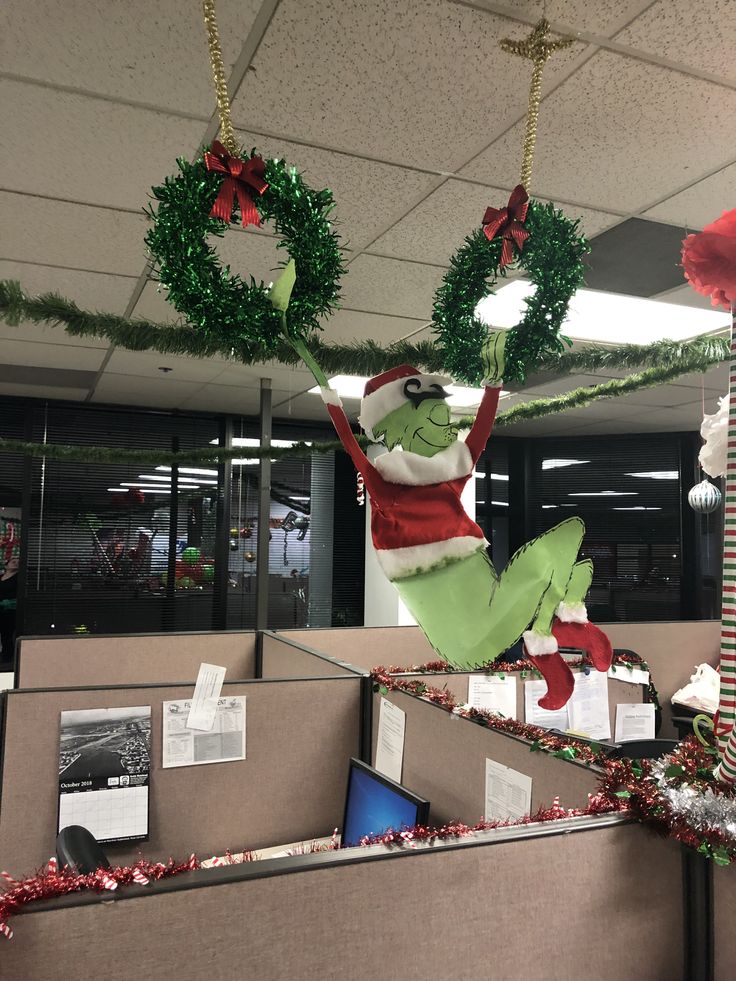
x=580 y=581
x=470 y=615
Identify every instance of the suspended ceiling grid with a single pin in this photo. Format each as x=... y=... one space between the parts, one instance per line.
x=409 y=111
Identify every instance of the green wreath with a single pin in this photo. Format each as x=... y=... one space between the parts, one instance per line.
x=552 y=258
x=225 y=307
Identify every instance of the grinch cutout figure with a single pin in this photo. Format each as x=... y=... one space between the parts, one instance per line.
x=436 y=555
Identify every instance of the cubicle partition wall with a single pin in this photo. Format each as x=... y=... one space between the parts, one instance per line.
x=300 y=736
x=595 y=898
x=132 y=659
x=724 y=918
x=367 y=647
x=445 y=762
x=280 y=655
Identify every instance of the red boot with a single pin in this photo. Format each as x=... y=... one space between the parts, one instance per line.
x=587 y=637
x=550 y=664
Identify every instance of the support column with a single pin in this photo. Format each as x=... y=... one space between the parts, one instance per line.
x=222 y=529
x=264 y=508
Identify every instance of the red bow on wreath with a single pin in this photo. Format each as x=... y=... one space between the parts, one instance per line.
x=243 y=178
x=508 y=222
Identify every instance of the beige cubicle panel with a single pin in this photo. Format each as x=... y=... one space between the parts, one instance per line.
x=595 y=898
x=724 y=918
x=672 y=650
x=132 y=659
x=281 y=656
x=445 y=762
x=367 y=647
x=300 y=736
x=619 y=692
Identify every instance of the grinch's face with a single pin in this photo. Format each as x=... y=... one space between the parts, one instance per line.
x=421 y=426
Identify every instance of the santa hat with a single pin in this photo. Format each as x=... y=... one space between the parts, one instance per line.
x=385 y=393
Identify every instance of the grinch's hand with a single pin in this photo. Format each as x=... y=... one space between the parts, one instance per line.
x=493 y=357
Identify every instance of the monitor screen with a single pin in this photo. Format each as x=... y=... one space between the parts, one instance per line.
x=375 y=803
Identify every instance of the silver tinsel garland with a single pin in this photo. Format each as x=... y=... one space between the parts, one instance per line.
x=704 y=810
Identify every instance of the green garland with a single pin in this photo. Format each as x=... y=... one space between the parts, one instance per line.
x=223 y=307
x=364 y=358
x=552 y=258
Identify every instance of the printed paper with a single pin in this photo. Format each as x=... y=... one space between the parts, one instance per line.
x=183 y=746
x=634 y=722
x=588 y=706
x=493 y=693
x=390 y=746
x=104 y=769
x=534 y=715
x=205 y=699
x=508 y=793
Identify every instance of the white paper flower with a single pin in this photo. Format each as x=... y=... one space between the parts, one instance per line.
x=714 y=431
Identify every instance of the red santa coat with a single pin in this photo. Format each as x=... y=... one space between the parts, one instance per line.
x=417 y=518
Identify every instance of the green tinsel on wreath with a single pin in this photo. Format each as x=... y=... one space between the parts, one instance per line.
x=225 y=308
x=552 y=257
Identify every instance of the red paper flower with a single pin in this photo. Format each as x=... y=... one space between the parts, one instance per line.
x=709 y=260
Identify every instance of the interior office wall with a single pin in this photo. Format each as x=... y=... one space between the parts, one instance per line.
x=290 y=787
x=603 y=903
x=724 y=916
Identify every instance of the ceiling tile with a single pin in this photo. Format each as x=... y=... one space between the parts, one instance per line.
x=153 y=53
x=700 y=204
x=228 y=398
x=438 y=226
x=284 y=378
x=153 y=305
x=146 y=364
x=619 y=133
x=93 y=151
x=685 y=296
x=597 y=18
x=415 y=83
x=155 y=393
x=310 y=407
x=404 y=289
x=22 y=352
x=369 y=196
x=350 y=325
x=90 y=291
x=63 y=234
x=701 y=36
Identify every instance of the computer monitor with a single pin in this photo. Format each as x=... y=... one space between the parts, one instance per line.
x=375 y=803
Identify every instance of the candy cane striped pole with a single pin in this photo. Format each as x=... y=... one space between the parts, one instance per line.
x=725 y=731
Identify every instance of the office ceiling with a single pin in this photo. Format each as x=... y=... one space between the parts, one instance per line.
x=414 y=117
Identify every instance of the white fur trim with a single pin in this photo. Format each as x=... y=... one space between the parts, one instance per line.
x=537 y=643
x=492 y=383
x=398 y=563
x=401 y=467
x=330 y=396
x=572 y=613
x=390 y=397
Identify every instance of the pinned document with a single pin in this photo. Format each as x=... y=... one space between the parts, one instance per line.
x=634 y=722
x=535 y=715
x=634 y=676
x=206 y=694
x=508 y=793
x=390 y=747
x=494 y=693
x=588 y=706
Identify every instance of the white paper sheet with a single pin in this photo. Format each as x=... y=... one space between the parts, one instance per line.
x=634 y=722
x=493 y=693
x=588 y=706
x=508 y=792
x=635 y=676
x=205 y=699
x=534 y=715
x=224 y=742
x=390 y=746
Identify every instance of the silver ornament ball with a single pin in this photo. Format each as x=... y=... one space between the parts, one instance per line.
x=704 y=497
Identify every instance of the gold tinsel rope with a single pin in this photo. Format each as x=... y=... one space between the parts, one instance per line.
x=227 y=133
x=537 y=48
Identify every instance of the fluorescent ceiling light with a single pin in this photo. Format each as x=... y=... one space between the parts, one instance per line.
x=501 y=504
x=146 y=487
x=207 y=473
x=189 y=481
x=604 y=494
x=546 y=507
x=252 y=441
x=555 y=464
x=656 y=474
x=494 y=476
x=639 y=508
x=353 y=386
x=613 y=317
